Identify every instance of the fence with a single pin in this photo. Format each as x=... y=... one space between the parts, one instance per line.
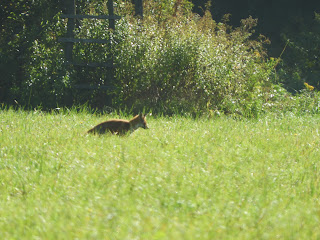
x=70 y=40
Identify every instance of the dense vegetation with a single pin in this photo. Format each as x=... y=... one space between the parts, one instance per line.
x=295 y=24
x=172 y=61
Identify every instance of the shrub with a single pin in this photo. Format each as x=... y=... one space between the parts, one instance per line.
x=48 y=77
x=172 y=61
x=188 y=63
x=278 y=100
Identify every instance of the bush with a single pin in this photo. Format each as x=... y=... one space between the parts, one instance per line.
x=47 y=75
x=171 y=62
x=189 y=64
x=280 y=101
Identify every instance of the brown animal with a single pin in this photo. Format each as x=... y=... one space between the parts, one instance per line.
x=120 y=126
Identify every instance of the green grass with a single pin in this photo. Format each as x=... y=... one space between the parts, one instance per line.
x=181 y=179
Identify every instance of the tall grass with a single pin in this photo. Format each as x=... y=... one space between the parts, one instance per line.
x=183 y=178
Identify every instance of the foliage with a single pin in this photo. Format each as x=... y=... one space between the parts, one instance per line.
x=49 y=77
x=301 y=60
x=280 y=101
x=181 y=179
x=22 y=23
x=188 y=63
x=172 y=61
x=298 y=24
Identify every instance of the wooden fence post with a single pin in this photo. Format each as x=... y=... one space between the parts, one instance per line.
x=70 y=9
x=70 y=14
x=110 y=13
x=138 y=8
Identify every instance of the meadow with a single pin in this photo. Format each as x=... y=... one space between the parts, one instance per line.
x=182 y=178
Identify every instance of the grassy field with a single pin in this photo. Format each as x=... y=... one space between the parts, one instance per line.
x=181 y=179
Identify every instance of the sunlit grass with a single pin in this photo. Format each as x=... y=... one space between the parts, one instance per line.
x=182 y=178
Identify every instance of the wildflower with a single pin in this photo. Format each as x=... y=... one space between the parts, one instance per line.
x=308 y=87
